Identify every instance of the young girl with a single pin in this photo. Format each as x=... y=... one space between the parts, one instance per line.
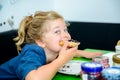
x=42 y=56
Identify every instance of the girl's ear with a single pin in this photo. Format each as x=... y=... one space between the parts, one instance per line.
x=40 y=43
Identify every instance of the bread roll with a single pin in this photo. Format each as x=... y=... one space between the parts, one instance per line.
x=118 y=43
x=71 y=44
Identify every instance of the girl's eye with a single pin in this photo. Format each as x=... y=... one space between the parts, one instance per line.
x=57 y=31
x=66 y=30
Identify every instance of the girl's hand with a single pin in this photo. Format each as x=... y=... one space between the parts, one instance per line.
x=66 y=53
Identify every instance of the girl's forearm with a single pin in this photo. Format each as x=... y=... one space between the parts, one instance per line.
x=45 y=72
x=86 y=54
x=79 y=53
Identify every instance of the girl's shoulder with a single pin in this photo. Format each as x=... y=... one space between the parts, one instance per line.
x=32 y=47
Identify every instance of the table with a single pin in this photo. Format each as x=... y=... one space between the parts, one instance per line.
x=60 y=76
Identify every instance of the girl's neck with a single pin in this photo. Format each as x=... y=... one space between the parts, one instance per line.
x=50 y=56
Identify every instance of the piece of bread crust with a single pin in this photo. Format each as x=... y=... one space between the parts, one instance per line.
x=118 y=43
x=71 y=44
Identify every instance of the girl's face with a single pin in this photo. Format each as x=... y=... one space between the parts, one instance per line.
x=57 y=31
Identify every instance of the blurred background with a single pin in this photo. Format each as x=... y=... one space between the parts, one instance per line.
x=102 y=11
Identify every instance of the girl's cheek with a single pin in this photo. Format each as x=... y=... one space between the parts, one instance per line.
x=69 y=36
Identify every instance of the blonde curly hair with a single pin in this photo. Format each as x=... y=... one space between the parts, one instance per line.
x=32 y=27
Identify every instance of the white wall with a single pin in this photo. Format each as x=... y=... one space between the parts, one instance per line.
x=89 y=10
x=72 y=10
x=18 y=9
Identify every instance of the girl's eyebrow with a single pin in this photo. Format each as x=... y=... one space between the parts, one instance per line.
x=56 y=27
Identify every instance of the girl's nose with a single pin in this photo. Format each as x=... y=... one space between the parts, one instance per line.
x=67 y=35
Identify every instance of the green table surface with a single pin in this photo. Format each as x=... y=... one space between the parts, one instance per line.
x=60 y=76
